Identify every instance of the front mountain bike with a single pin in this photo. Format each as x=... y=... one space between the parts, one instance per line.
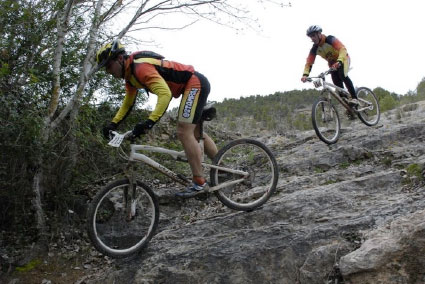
x=123 y=216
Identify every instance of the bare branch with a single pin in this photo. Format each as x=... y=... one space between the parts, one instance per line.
x=111 y=10
x=165 y=28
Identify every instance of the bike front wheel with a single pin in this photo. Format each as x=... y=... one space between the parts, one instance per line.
x=122 y=218
x=256 y=187
x=326 y=122
x=368 y=108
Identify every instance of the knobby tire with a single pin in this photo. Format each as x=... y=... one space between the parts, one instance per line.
x=371 y=116
x=325 y=119
x=250 y=156
x=110 y=229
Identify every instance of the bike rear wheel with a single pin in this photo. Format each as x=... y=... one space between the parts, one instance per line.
x=369 y=112
x=122 y=218
x=257 y=160
x=326 y=122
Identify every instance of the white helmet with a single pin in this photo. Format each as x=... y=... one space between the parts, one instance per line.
x=314 y=29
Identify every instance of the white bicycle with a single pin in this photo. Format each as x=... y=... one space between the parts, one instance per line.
x=123 y=216
x=325 y=117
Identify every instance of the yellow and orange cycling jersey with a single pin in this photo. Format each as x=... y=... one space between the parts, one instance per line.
x=332 y=50
x=164 y=78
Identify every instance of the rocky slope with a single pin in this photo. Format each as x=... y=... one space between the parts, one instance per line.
x=350 y=213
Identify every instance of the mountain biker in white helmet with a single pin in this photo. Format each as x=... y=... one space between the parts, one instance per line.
x=333 y=51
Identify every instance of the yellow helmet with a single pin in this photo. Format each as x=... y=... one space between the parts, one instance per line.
x=109 y=51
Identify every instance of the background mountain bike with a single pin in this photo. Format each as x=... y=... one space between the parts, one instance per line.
x=123 y=216
x=325 y=117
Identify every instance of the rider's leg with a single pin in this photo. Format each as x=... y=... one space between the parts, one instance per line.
x=209 y=145
x=194 y=98
x=186 y=135
x=350 y=87
x=336 y=78
x=339 y=78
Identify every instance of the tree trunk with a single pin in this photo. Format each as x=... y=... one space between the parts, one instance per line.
x=38 y=188
x=37 y=204
x=73 y=147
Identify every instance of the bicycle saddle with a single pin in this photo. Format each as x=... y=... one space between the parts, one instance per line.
x=209 y=113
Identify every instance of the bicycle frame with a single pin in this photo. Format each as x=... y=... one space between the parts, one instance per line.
x=332 y=89
x=136 y=156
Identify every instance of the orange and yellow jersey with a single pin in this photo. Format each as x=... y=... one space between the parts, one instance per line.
x=166 y=79
x=332 y=50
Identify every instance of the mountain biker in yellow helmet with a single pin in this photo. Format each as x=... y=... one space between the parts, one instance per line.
x=108 y=52
x=335 y=53
x=167 y=79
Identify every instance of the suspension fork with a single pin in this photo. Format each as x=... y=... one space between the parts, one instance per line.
x=324 y=111
x=130 y=197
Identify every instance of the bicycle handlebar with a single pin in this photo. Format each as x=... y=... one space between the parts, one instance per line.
x=118 y=138
x=321 y=75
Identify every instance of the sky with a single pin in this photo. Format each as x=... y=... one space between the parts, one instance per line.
x=384 y=38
